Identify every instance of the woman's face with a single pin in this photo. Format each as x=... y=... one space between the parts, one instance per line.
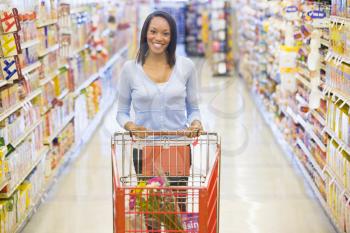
x=158 y=35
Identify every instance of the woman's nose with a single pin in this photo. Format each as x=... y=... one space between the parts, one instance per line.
x=158 y=37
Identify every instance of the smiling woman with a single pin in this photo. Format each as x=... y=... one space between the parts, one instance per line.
x=162 y=88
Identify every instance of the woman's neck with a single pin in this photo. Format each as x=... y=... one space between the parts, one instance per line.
x=153 y=58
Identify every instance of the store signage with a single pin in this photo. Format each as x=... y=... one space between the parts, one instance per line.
x=10 y=68
x=9 y=21
x=291 y=9
x=10 y=45
x=316 y=14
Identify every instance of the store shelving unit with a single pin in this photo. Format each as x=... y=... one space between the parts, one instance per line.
x=57 y=132
x=290 y=153
x=19 y=105
x=26 y=134
x=194 y=44
x=29 y=68
x=40 y=156
x=95 y=76
x=30 y=43
x=221 y=42
x=73 y=71
x=309 y=131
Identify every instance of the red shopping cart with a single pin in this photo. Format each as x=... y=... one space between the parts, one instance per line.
x=166 y=182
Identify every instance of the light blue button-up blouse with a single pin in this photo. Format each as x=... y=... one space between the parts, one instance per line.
x=172 y=107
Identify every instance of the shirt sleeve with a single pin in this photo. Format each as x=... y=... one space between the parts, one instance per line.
x=124 y=97
x=192 y=105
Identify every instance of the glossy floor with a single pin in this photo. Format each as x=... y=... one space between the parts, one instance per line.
x=261 y=190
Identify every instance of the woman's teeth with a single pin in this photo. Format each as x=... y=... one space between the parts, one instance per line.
x=158 y=46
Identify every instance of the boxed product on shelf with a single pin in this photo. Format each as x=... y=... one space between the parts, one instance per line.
x=15 y=125
x=60 y=146
x=57 y=116
x=29 y=56
x=339 y=8
x=338 y=121
x=10 y=214
x=29 y=30
x=22 y=159
x=338 y=162
x=37 y=180
x=93 y=94
x=339 y=76
x=23 y=202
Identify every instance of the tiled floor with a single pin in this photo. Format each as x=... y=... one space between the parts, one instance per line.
x=261 y=192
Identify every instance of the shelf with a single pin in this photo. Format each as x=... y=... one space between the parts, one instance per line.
x=339 y=19
x=46 y=187
x=325 y=42
x=26 y=134
x=30 y=68
x=339 y=141
x=39 y=156
x=48 y=50
x=318 y=117
x=63 y=94
x=3 y=184
x=289 y=153
x=49 y=77
x=53 y=74
x=77 y=51
x=77 y=10
x=291 y=113
x=303 y=81
x=340 y=94
x=19 y=105
x=311 y=159
x=95 y=76
x=301 y=100
x=28 y=44
x=73 y=152
x=86 y=83
x=339 y=182
x=318 y=196
x=4 y=83
x=49 y=140
x=310 y=131
x=338 y=57
x=46 y=22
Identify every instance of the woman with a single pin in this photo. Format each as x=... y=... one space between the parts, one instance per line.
x=161 y=86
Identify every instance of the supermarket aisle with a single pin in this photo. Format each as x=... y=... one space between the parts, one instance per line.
x=260 y=189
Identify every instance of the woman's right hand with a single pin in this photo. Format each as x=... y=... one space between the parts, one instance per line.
x=136 y=130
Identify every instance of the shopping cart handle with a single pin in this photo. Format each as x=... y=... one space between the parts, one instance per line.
x=166 y=133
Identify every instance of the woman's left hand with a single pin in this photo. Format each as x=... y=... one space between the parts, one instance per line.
x=196 y=129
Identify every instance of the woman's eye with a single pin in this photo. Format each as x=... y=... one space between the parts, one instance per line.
x=166 y=33
x=153 y=32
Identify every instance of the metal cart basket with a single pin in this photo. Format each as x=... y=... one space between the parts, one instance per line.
x=166 y=182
